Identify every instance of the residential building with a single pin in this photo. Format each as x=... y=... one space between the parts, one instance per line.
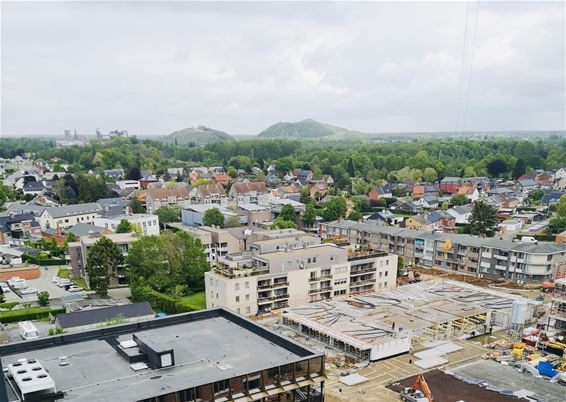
x=165 y=197
x=249 y=193
x=425 y=190
x=490 y=257
x=201 y=356
x=380 y=192
x=33 y=188
x=560 y=179
x=128 y=184
x=193 y=215
x=305 y=176
x=470 y=192
x=253 y=283
x=253 y=213
x=557 y=314
x=211 y=194
x=451 y=185
x=428 y=202
x=221 y=178
x=15 y=228
x=461 y=214
x=148 y=223
x=78 y=252
x=115 y=174
x=69 y=215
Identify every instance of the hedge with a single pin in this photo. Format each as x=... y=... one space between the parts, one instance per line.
x=34 y=313
x=43 y=261
x=161 y=301
x=8 y=305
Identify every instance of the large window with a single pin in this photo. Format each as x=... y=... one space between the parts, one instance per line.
x=315 y=366
x=287 y=374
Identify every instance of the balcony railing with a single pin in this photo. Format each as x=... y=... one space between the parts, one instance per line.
x=320 y=278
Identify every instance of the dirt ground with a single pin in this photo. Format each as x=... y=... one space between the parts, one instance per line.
x=446 y=388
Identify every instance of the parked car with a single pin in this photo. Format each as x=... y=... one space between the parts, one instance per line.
x=5 y=288
x=74 y=288
x=64 y=283
x=18 y=283
x=55 y=279
x=28 y=291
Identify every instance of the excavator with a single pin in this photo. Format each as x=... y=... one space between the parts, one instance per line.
x=419 y=392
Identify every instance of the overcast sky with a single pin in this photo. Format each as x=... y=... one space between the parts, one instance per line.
x=155 y=67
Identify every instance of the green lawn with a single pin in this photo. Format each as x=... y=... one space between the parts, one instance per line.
x=195 y=302
x=66 y=273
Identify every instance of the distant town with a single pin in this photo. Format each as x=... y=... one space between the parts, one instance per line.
x=322 y=259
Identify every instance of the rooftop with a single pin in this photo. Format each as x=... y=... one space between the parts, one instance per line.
x=208 y=346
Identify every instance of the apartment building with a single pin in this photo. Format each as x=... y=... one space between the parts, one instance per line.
x=78 y=252
x=165 y=197
x=209 y=355
x=249 y=193
x=211 y=194
x=16 y=228
x=557 y=314
x=253 y=283
x=464 y=253
x=148 y=223
x=69 y=215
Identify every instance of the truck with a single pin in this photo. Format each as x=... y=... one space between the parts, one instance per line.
x=28 y=330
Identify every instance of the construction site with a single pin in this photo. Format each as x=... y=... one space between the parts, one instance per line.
x=375 y=326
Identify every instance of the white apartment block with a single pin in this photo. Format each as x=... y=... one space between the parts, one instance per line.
x=69 y=215
x=251 y=283
x=148 y=223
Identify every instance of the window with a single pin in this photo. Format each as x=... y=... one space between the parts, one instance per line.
x=380 y=274
x=217 y=295
x=237 y=299
x=386 y=273
x=247 y=297
x=385 y=285
x=247 y=285
x=340 y=281
x=386 y=262
x=309 y=260
x=248 y=310
x=314 y=259
x=237 y=286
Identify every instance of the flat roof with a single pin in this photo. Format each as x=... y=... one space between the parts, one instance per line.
x=368 y=319
x=208 y=346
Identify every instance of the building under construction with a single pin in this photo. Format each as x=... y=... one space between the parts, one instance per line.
x=379 y=325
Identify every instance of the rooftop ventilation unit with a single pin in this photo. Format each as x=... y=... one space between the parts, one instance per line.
x=159 y=355
x=31 y=378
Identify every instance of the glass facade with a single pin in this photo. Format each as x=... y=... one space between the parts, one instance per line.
x=255 y=384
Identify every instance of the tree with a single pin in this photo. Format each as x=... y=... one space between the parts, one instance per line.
x=43 y=298
x=335 y=208
x=557 y=225
x=309 y=216
x=136 y=206
x=561 y=209
x=429 y=174
x=134 y=173
x=483 y=219
x=103 y=261
x=233 y=173
x=124 y=226
x=288 y=213
x=400 y=267
x=3 y=196
x=167 y=261
x=355 y=216
x=167 y=215
x=284 y=165
x=459 y=199
x=91 y=188
x=233 y=221
x=519 y=169
x=536 y=195
x=213 y=217
x=279 y=223
x=350 y=169
x=496 y=167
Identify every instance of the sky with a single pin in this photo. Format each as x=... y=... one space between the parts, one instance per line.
x=156 y=67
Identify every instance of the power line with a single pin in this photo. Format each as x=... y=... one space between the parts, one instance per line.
x=466 y=103
x=462 y=67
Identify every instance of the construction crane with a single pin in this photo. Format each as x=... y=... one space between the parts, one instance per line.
x=419 y=392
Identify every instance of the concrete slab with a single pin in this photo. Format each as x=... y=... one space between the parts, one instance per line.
x=431 y=362
x=353 y=379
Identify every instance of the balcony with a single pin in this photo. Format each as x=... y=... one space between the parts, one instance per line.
x=363 y=271
x=320 y=278
x=280 y=284
x=361 y=283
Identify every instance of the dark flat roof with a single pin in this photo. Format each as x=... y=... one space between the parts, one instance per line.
x=100 y=315
x=209 y=346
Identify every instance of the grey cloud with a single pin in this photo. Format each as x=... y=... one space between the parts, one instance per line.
x=154 y=67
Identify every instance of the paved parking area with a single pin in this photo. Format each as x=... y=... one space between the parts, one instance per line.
x=42 y=283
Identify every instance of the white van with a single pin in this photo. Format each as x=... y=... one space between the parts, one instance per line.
x=28 y=330
x=18 y=283
x=529 y=239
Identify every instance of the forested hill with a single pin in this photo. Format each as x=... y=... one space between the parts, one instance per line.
x=200 y=135
x=309 y=129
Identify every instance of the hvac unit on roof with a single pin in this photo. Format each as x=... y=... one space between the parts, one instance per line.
x=31 y=377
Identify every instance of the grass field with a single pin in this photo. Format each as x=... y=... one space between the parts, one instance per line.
x=65 y=273
x=196 y=301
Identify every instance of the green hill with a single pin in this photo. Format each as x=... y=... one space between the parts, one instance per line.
x=200 y=135
x=310 y=129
